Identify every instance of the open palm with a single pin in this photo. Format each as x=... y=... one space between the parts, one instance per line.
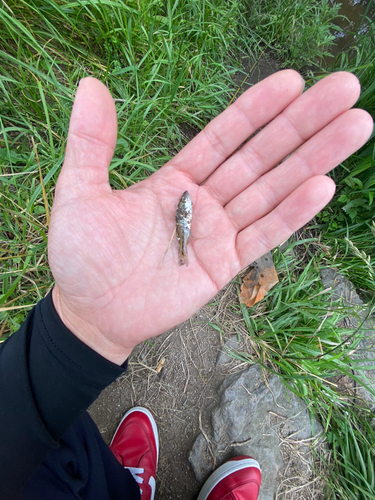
x=115 y=286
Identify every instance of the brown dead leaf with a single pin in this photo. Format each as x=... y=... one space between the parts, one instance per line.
x=261 y=278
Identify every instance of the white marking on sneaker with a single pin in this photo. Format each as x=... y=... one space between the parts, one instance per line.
x=152 y=484
x=134 y=471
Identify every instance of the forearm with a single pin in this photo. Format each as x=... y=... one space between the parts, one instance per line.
x=48 y=377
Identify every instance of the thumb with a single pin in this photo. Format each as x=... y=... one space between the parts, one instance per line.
x=91 y=140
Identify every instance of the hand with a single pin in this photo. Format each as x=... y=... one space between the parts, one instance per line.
x=106 y=246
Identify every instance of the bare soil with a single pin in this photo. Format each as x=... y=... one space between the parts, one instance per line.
x=184 y=393
x=181 y=397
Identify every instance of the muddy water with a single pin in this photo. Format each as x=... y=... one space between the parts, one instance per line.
x=352 y=22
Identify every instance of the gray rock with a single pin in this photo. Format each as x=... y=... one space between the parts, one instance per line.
x=201 y=459
x=232 y=344
x=256 y=417
x=364 y=355
x=342 y=288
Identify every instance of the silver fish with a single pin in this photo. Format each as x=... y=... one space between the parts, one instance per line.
x=184 y=215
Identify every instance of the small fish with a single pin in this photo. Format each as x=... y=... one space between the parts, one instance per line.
x=184 y=214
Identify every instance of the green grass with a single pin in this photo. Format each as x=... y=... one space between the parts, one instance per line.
x=165 y=63
x=299 y=330
x=347 y=223
x=297 y=33
x=288 y=336
x=170 y=64
x=350 y=232
x=302 y=334
x=352 y=441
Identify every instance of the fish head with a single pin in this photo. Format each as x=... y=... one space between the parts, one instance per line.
x=186 y=200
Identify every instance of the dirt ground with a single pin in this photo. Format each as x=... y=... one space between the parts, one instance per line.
x=184 y=393
x=181 y=396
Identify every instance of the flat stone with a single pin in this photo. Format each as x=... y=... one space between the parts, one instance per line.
x=255 y=417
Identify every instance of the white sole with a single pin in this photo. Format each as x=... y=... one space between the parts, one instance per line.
x=222 y=472
x=153 y=424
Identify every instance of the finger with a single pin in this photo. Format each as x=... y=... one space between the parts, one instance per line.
x=303 y=118
x=91 y=138
x=225 y=133
x=300 y=207
x=319 y=155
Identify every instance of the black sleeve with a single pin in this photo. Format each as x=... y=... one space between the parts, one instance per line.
x=48 y=377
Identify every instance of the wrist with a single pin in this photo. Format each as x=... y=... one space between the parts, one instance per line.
x=88 y=333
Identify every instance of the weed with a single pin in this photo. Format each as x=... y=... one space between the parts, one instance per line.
x=164 y=62
x=348 y=221
x=299 y=33
x=352 y=442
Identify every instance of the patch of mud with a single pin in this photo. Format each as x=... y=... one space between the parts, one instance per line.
x=253 y=71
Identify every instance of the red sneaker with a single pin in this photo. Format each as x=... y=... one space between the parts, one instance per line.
x=135 y=444
x=237 y=479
